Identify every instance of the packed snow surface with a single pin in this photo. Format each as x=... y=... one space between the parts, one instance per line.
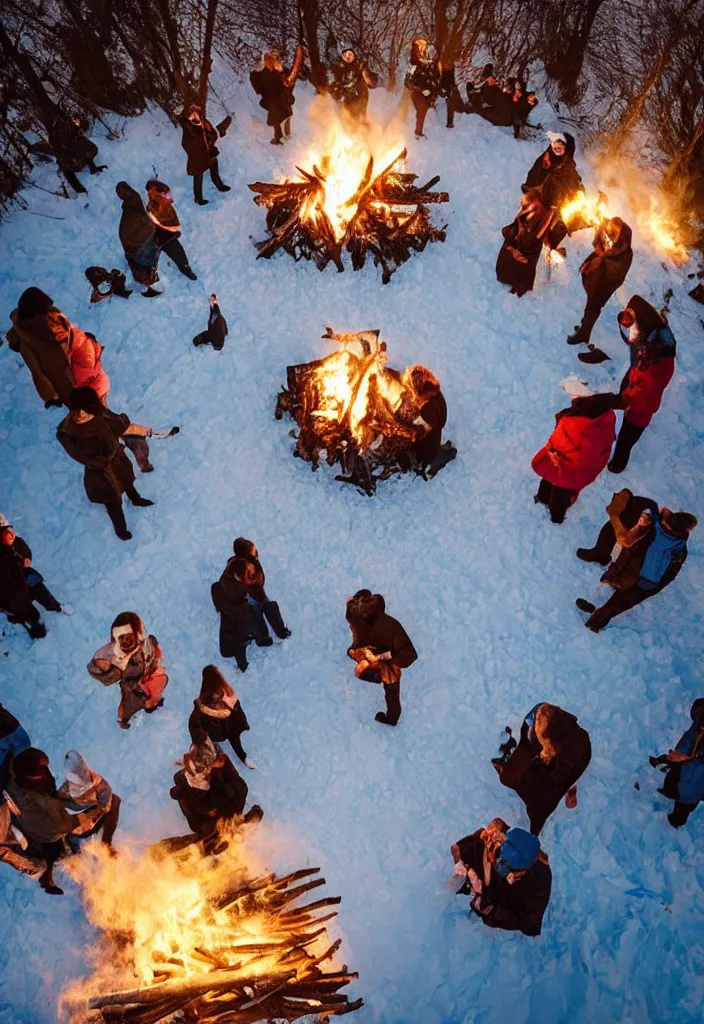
x=483 y=582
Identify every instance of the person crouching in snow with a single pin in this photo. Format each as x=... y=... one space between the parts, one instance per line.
x=603 y=272
x=41 y=814
x=684 y=782
x=217 y=327
x=162 y=212
x=552 y=754
x=652 y=550
x=134 y=659
x=84 y=790
x=218 y=715
x=238 y=622
x=381 y=647
x=210 y=791
x=577 y=450
x=506 y=875
x=255 y=581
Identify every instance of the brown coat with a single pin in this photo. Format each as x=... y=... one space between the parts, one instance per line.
x=43 y=343
x=95 y=445
x=382 y=633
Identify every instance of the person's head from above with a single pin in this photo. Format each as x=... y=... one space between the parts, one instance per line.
x=244 y=548
x=84 y=404
x=272 y=61
x=33 y=302
x=158 y=189
x=127 y=631
x=348 y=55
x=517 y=854
x=420 y=45
x=421 y=381
x=7 y=535
x=558 y=145
x=31 y=765
x=213 y=683
x=430 y=54
x=237 y=567
x=548 y=723
x=199 y=762
x=677 y=524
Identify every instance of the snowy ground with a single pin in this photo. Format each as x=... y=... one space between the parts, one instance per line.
x=483 y=582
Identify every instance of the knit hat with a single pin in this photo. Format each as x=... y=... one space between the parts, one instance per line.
x=519 y=851
x=32 y=302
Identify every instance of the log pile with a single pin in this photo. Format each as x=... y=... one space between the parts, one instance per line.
x=387 y=218
x=242 y=977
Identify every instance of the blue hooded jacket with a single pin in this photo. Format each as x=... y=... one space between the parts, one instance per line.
x=690 y=789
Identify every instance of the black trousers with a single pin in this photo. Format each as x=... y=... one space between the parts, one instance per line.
x=43 y=596
x=628 y=435
x=670 y=786
x=214 y=177
x=392 y=693
x=619 y=602
x=557 y=499
x=117 y=516
x=589 y=318
x=176 y=253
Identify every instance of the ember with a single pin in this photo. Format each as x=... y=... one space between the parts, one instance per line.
x=364 y=416
x=199 y=937
x=351 y=200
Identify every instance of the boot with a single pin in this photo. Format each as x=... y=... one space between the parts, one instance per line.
x=187 y=271
x=137 y=498
x=273 y=617
x=589 y=555
x=150 y=293
x=585 y=606
x=37 y=630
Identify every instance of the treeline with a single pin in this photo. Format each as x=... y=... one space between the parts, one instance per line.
x=625 y=72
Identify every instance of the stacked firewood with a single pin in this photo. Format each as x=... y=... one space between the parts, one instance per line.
x=241 y=978
x=389 y=218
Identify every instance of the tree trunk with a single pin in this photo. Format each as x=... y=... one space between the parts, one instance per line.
x=310 y=19
x=566 y=70
x=634 y=111
x=440 y=26
x=207 y=62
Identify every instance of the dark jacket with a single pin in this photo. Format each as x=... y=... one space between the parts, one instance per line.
x=382 y=633
x=204 y=808
x=349 y=86
x=422 y=78
x=523 y=241
x=237 y=622
x=276 y=94
x=108 y=471
x=13 y=740
x=198 y=140
x=652 y=364
x=219 y=729
x=605 y=269
x=556 y=177
x=434 y=413
x=43 y=341
x=43 y=817
x=15 y=597
x=541 y=786
x=690 y=783
x=517 y=907
x=497 y=106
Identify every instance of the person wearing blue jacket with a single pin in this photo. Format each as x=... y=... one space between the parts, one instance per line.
x=684 y=782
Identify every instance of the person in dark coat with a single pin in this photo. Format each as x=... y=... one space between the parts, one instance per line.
x=139 y=239
x=428 y=452
x=133 y=658
x=523 y=105
x=238 y=622
x=40 y=333
x=198 y=139
x=13 y=740
x=217 y=327
x=477 y=78
x=210 y=791
x=265 y=610
x=218 y=714
x=652 y=351
x=555 y=174
x=577 y=450
x=351 y=82
x=524 y=238
x=653 y=549
x=20 y=583
x=553 y=752
x=90 y=436
x=497 y=103
x=603 y=271
x=507 y=876
x=73 y=151
x=275 y=86
x=450 y=93
x=423 y=81
x=381 y=647
x=162 y=213
x=684 y=781
x=42 y=814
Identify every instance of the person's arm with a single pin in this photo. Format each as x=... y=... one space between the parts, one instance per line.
x=290 y=79
x=528 y=920
x=23 y=550
x=403 y=652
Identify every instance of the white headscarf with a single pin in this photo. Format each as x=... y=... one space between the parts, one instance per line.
x=575 y=388
x=79 y=777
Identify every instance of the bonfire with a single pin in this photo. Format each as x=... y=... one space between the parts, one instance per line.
x=190 y=938
x=352 y=407
x=355 y=198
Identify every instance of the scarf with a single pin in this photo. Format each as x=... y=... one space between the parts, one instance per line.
x=222 y=704
x=659 y=555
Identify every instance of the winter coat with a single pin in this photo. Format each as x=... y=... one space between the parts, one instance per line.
x=72 y=148
x=108 y=471
x=349 y=86
x=237 y=622
x=605 y=269
x=652 y=364
x=541 y=786
x=690 y=785
x=423 y=80
x=383 y=634
x=434 y=413
x=162 y=213
x=581 y=441
x=43 y=817
x=219 y=723
x=204 y=808
x=198 y=140
x=556 y=177
x=499 y=106
x=142 y=678
x=517 y=907
x=217 y=327
x=523 y=241
x=625 y=571
x=276 y=95
x=43 y=343
x=255 y=581
x=15 y=596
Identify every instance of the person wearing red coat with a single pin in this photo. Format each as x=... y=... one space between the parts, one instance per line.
x=578 y=449
x=652 y=351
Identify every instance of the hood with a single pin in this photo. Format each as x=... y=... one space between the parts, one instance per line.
x=371 y=608
x=622 y=242
x=560 y=723
x=647 y=316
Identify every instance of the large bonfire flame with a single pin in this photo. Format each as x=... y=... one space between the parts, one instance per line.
x=354 y=198
x=202 y=938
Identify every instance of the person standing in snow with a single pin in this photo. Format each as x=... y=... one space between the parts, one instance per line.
x=577 y=450
x=524 y=238
x=603 y=271
x=684 y=781
x=134 y=659
x=41 y=814
x=381 y=647
x=653 y=549
x=238 y=622
x=275 y=86
x=552 y=754
x=652 y=350
x=266 y=611
x=13 y=740
x=198 y=139
x=14 y=846
x=90 y=435
x=555 y=175
x=217 y=328
x=139 y=239
x=20 y=583
x=210 y=791
x=162 y=212
x=217 y=714
x=450 y=93
x=423 y=81
x=85 y=790
x=429 y=453
x=350 y=85
x=506 y=875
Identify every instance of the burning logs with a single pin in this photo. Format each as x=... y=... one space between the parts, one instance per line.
x=212 y=945
x=361 y=414
x=344 y=205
